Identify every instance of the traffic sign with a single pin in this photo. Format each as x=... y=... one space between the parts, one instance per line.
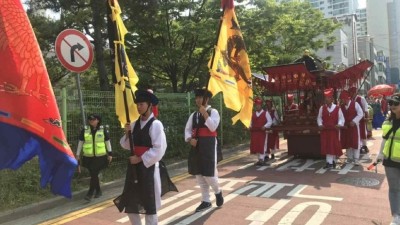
x=74 y=50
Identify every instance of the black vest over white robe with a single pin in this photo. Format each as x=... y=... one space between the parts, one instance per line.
x=140 y=197
x=202 y=158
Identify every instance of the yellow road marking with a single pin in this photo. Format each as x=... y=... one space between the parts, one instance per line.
x=102 y=205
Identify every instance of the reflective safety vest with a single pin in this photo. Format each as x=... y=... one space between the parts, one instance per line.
x=96 y=147
x=391 y=149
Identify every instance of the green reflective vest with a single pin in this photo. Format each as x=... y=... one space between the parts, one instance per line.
x=391 y=149
x=96 y=147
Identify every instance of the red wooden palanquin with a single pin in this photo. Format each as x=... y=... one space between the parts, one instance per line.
x=300 y=128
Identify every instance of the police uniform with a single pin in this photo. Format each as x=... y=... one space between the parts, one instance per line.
x=390 y=152
x=94 y=145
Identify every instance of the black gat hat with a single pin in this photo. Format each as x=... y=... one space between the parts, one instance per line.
x=202 y=92
x=145 y=96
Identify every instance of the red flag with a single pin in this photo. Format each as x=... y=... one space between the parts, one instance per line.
x=30 y=122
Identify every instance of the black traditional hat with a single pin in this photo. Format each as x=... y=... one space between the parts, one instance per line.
x=203 y=93
x=145 y=96
x=395 y=98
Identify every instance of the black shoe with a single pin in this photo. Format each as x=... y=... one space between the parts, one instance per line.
x=334 y=165
x=260 y=163
x=98 y=194
x=219 y=199
x=88 y=197
x=364 y=149
x=203 y=206
x=272 y=156
x=266 y=158
x=328 y=166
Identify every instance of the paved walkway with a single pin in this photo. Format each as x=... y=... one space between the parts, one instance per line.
x=286 y=191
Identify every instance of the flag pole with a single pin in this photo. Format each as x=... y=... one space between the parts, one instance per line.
x=112 y=26
x=216 y=41
x=223 y=2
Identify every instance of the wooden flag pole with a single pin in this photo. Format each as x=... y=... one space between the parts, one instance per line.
x=112 y=25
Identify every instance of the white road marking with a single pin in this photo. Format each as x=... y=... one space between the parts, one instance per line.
x=296 y=193
x=317 y=219
x=259 y=217
x=196 y=216
x=166 y=209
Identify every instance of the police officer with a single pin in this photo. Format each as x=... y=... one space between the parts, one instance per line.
x=95 y=146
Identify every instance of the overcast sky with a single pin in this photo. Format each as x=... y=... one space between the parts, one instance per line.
x=361 y=4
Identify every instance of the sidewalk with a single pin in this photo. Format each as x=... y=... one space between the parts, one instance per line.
x=49 y=209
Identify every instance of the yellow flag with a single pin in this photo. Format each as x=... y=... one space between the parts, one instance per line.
x=125 y=78
x=230 y=69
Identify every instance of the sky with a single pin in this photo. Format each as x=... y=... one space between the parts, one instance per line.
x=361 y=4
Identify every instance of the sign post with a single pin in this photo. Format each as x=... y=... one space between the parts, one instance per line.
x=75 y=53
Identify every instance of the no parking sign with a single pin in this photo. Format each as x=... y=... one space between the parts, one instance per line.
x=74 y=50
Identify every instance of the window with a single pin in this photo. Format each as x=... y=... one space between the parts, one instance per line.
x=330 y=48
x=381 y=67
x=345 y=51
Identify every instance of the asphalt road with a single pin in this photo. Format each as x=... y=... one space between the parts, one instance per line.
x=286 y=191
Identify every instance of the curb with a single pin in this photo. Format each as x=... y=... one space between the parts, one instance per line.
x=174 y=169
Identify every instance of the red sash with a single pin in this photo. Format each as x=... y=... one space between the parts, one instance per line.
x=203 y=132
x=140 y=150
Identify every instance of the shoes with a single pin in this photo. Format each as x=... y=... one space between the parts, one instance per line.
x=260 y=163
x=219 y=199
x=272 y=156
x=364 y=149
x=356 y=162
x=204 y=205
x=396 y=220
x=348 y=161
x=98 y=194
x=334 y=164
x=88 y=197
x=266 y=158
x=328 y=166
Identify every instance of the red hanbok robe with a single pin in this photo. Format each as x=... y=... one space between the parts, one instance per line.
x=349 y=137
x=273 y=138
x=330 y=142
x=291 y=109
x=258 y=136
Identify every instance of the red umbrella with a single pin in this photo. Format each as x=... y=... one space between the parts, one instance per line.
x=381 y=89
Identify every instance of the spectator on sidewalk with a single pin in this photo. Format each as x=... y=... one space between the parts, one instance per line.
x=330 y=119
x=390 y=153
x=260 y=121
x=97 y=152
x=201 y=134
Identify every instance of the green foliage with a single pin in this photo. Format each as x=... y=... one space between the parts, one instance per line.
x=169 y=42
x=279 y=33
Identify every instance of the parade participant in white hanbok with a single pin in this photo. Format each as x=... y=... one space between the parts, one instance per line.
x=201 y=134
x=144 y=196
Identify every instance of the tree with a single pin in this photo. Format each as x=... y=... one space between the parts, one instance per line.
x=88 y=16
x=171 y=41
x=279 y=33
